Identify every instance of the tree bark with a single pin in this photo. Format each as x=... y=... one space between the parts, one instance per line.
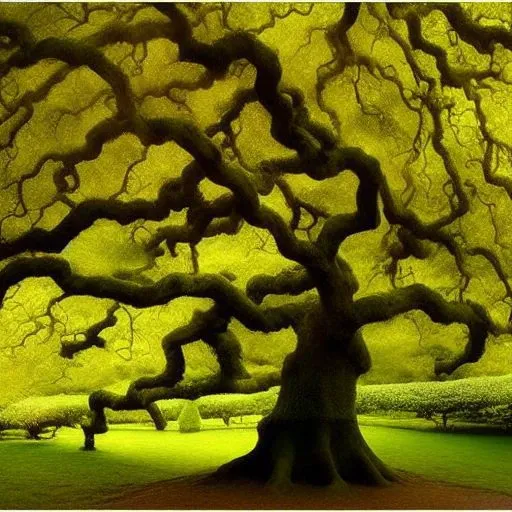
x=88 y=439
x=312 y=435
x=157 y=416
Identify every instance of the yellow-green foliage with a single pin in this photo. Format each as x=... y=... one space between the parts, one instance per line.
x=420 y=397
x=436 y=397
x=485 y=399
x=171 y=409
x=189 y=419
x=498 y=415
x=421 y=134
x=228 y=406
x=405 y=348
x=38 y=412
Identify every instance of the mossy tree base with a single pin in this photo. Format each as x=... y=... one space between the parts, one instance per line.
x=316 y=452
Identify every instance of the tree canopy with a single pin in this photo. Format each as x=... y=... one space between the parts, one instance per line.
x=158 y=160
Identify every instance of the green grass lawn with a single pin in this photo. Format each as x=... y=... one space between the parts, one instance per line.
x=468 y=459
x=56 y=474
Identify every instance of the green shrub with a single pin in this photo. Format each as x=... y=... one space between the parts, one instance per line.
x=35 y=414
x=137 y=416
x=440 y=401
x=498 y=415
x=227 y=406
x=171 y=409
x=427 y=398
x=189 y=419
x=481 y=399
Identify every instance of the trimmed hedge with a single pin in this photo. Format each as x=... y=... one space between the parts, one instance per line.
x=482 y=399
x=464 y=399
x=36 y=414
x=170 y=409
x=227 y=406
x=427 y=398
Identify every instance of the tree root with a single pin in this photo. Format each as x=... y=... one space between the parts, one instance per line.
x=329 y=453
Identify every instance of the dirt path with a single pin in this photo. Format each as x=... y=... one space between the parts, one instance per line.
x=413 y=492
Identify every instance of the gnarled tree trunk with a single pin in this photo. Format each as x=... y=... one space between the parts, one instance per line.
x=312 y=435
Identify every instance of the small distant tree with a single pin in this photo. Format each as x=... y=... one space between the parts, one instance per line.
x=213 y=116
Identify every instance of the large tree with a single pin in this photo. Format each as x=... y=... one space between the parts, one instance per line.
x=186 y=123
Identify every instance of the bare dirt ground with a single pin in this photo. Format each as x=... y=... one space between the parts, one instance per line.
x=413 y=492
